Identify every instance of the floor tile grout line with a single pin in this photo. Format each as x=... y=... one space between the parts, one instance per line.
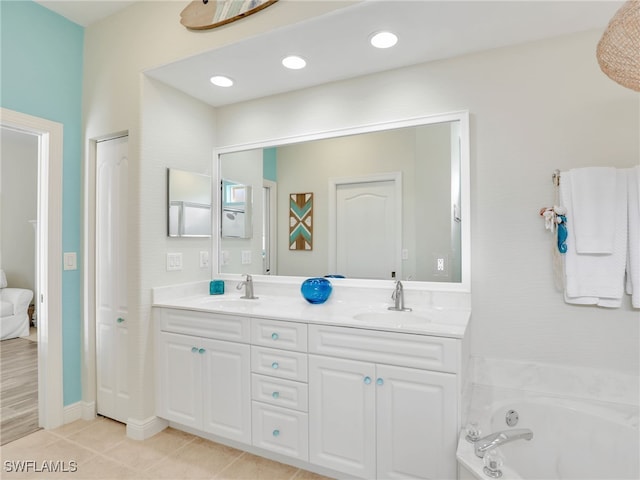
x=235 y=460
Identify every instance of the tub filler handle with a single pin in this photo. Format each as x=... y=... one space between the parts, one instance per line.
x=496 y=439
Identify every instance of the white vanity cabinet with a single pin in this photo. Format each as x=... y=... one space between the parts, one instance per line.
x=279 y=387
x=381 y=420
x=203 y=382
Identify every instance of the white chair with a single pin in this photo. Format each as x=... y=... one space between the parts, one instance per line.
x=14 y=307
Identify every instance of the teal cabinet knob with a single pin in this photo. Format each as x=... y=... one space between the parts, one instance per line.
x=120 y=320
x=194 y=349
x=379 y=381
x=201 y=351
x=275 y=365
x=275 y=394
x=276 y=433
x=367 y=380
x=274 y=336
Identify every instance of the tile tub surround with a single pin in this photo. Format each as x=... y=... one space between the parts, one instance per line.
x=100 y=449
x=279 y=297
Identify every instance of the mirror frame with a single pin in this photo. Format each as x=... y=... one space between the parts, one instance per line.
x=465 y=202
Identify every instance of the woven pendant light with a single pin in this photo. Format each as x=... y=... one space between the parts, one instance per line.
x=618 y=50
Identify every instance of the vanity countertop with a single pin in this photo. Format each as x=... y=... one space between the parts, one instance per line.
x=438 y=321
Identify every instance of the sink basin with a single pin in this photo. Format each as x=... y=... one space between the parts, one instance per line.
x=391 y=317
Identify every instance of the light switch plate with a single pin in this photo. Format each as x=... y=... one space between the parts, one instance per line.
x=174 y=262
x=70 y=261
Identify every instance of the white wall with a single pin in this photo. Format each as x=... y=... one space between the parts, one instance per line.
x=18 y=206
x=534 y=108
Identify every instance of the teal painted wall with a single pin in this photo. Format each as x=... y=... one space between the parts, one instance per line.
x=41 y=75
x=269 y=164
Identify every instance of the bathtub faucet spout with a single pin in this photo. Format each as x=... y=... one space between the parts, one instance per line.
x=494 y=440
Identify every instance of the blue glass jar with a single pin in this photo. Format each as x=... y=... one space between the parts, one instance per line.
x=316 y=290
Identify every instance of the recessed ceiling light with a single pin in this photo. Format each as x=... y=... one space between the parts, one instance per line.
x=221 y=81
x=383 y=40
x=294 y=62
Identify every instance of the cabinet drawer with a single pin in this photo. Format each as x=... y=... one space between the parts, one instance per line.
x=280 y=392
x=280 y=430
x=279 y=363
x=278 y=334
x=417 y=351
x=202 y=324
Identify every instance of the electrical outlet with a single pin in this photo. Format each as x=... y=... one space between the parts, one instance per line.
x=405 y=254
x=70 y=261
x=246 y=257
x=174 y=262
x=440 y=265
x=204 y=259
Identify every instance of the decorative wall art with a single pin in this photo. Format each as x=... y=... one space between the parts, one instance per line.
x=207 y=14
x=301 y=221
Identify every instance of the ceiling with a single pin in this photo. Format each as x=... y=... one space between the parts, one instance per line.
x=85 y=12
x=336 y=45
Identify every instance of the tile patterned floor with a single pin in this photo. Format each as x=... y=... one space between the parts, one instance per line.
x=99 y=449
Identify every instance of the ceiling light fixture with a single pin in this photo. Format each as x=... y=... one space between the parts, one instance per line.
x=294 y=62
x=383 y=39
x=221 y=81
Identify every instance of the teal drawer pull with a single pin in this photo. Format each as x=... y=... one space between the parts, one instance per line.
x=194 y=349
x=274 y=336
x=379 y=381
x=367 y=380
x=276 y=433
x=275 y=394
x=120 y=320
x=201 y=351
x=275 y=365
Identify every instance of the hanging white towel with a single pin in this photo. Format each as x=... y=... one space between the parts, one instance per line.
x=593 y=195
x=633 y=252
x=596 y=278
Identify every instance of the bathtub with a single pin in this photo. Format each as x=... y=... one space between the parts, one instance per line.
x=572 y=439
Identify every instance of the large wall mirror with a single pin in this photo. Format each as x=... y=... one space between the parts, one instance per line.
x=387 y=201
x=189 y=204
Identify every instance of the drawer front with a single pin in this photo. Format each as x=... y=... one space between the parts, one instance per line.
x=279 y=363
x=417 y=351
x=280 y=430
x=202 y=324
x=280 y=392
x=278 y=334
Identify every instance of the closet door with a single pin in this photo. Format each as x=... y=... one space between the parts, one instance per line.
x=111 y=278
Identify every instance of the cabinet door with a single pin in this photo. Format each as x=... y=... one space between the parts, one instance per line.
x=227 y=389
x=342 y=415
x=179 y=376
x=416 y=423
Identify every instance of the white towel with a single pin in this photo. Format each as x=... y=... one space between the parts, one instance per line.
x=633 y=252
x=596 y=279
x=593 y=195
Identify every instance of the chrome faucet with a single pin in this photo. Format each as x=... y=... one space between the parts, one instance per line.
x=398 y=297
x=494 y=440
x=248 y=284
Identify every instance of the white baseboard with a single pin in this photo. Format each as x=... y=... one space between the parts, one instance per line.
x=79 y=411
x=143 y=429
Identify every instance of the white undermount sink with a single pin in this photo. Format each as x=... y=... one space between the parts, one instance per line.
x=391 y=317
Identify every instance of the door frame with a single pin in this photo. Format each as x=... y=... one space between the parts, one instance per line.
x=48 y=261
x=334 y=183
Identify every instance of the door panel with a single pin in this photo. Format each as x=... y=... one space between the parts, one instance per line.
x=365 y=230
x=342 y=415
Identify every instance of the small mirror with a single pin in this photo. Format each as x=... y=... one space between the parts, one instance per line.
x=189 y=209
x=236 y=210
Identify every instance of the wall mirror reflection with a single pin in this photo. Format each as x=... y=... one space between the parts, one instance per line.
x=236 y=210
x=189 y=208
x=387 y=204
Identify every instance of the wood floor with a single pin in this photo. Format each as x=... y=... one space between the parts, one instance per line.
x=18 y=388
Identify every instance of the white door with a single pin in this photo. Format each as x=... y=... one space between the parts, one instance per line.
x=226 y=387
x=111 y=280
x=342 y=415
x=416 y=418
x=367 y=243
x=179 y=390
